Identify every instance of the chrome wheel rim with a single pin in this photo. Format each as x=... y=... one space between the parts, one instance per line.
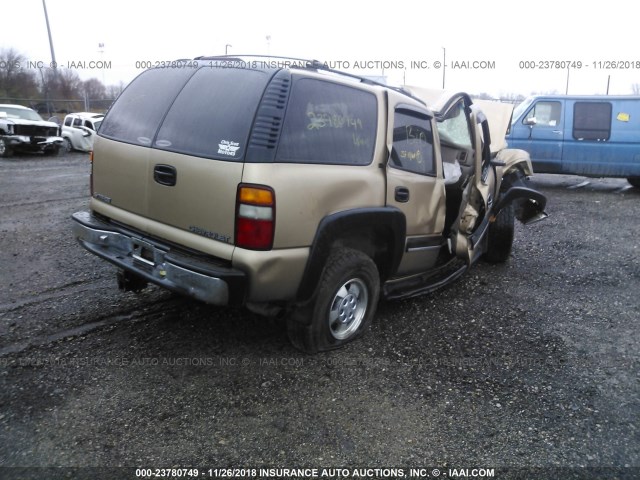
x=348 y=308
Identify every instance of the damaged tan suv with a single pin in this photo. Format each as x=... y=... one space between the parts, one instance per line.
x=284 y=186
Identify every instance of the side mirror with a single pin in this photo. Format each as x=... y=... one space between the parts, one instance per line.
x=531 y=121
x=86 y=131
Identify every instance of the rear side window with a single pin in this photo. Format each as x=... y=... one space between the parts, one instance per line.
x=328 y=123
x=212 y=115
x=412 y=143
x=592 y=120
x=136 y=115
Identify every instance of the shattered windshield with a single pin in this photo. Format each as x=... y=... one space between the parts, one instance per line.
x=454 y=128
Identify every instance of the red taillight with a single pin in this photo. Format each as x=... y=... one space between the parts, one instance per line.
x=91 y=173
x=255 y=217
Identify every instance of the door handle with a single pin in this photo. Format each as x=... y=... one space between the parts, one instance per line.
x=165 y=175
x=557 y=131
x=402 y=194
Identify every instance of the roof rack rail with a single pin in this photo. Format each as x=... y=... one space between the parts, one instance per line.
x=307 y=64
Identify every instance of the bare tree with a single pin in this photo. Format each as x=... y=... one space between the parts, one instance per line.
x=113 y=91
x=66 y=83
x=62 y=84
x=16 y=81
x=94 y=89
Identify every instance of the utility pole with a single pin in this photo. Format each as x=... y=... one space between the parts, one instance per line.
x=101 y=50
x=54 y=64
x=46 y=17
x=444 y=64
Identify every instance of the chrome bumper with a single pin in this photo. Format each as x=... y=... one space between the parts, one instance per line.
x=26 y=140
x=154 y=263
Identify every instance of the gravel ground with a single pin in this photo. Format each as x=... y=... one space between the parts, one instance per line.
x=528 y=365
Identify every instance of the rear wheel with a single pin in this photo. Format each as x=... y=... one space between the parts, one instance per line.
x=500 y=236
x=343 y=305
x=635 y=181
x=5 y=150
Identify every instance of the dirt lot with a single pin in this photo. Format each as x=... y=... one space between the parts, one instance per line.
x=532 y=364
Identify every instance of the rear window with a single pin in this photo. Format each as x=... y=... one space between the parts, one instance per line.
x=328 y=123
x=136 y=115
x=213 y=114
x=209 y=117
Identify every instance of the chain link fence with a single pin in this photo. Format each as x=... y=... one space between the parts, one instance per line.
x=48 y=108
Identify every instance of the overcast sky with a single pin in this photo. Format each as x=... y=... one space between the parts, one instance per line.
x=502 y=34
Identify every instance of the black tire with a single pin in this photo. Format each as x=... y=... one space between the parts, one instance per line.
x=635 y=181
x=67 y=147
x=343 y=305
x=500 y=236
x=5 y=150
x=53 y=151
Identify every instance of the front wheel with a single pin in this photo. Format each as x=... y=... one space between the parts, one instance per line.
x=500 y=236
x=5 y=150
x=67 y=147
x=53 y=151
x=635 y=181
x=343 y=306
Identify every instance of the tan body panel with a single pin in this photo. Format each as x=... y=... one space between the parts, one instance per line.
x=204 y=195
x=203 y=198
x=120 y=174
x=426 y=209
x=425 y=212
x=306 y=193
x=512 y=157
x=274 y=275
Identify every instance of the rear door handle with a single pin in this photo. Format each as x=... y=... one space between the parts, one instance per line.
x=402 y=194
x=165 y=175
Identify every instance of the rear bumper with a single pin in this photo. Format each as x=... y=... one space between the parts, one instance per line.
x=160 y=264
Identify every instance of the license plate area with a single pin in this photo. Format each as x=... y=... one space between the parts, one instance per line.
x=144 y=252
